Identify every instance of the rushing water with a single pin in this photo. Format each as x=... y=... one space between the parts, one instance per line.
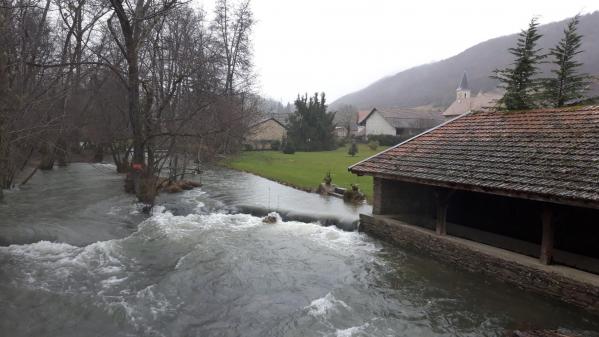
x=84 y=262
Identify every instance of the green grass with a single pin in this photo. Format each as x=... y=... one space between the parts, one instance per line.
x=306 y=169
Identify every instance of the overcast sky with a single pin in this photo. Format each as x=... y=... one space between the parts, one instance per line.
x=340 y=46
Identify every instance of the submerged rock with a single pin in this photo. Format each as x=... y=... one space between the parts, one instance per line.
x=271 y=218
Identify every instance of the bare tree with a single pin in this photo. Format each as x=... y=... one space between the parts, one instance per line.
x=27 y=93
x=151 y=80
x=232 y=27
x=347 y=117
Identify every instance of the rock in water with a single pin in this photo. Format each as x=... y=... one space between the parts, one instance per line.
x=271 y=218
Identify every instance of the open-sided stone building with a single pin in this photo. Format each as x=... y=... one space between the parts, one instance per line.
x=504 y=193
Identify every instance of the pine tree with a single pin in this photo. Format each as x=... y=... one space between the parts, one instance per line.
x=521 y=88
x=567 y=84
x=311 y=127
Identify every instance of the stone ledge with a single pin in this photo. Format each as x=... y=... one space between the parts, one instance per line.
x=563 y=283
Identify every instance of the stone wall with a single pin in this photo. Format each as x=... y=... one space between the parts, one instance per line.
x=260 y=135
x=566 y=284
x=267 y=130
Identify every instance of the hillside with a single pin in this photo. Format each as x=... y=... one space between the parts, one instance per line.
x=435 y=83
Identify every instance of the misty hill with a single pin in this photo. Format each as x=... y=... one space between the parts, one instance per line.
x=435 y=83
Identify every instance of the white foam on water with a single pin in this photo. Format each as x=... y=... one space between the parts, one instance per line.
x=50 y=265
x=158 y=209
x=178 y=224
x=192 y=196
x=41 y=250
x=324 y=305
x=349 y=332
x=338 y=239
x=156 y=302
x=105 y=165
x=193 y=193
x=111 y=281
x=98 y=271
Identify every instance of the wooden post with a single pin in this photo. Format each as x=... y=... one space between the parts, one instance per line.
x=377 y=196
x=548 y=236
x=441 y=217
x=442 y=197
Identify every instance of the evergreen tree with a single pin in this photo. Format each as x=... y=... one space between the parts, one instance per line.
x=567 y=84
x=311 y=127
x=521 y=88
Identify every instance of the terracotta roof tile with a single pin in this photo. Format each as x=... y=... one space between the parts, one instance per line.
x=550 y=153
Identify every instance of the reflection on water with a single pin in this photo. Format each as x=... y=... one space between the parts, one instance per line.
x=200 y=266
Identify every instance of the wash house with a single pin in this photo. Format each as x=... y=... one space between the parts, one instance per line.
x=526 y=182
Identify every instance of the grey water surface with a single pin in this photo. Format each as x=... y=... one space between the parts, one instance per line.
x=78 y=259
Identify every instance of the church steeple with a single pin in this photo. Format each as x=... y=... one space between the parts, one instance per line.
x=463 y=90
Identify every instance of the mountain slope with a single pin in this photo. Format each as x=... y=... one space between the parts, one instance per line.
x=435 y=83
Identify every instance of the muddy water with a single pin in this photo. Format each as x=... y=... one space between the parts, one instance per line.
x=79 y=260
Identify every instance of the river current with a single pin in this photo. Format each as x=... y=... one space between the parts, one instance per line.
x=78 y=259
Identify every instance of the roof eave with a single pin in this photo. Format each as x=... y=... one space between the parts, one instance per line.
x=586 y=203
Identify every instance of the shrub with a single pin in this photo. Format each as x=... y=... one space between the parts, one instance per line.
x=289 y=147
x=353 y=194
x=327 y=178
x=248 y=147
x=341 y=142
x=385 y=140
x=275 y=145
x=373 y=144
x=353 y=149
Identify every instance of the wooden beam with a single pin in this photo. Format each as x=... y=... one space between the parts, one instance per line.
x=495 y=191
x=548 y=236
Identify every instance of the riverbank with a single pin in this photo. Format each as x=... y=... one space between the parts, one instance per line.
x=305 y=170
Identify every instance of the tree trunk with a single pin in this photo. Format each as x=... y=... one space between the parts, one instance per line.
x=121 y=162
x=99 y=153
x=61 y=152
x=47 y=161
x=136 y=120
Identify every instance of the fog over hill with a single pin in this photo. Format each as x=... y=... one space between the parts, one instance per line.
x=435 y=83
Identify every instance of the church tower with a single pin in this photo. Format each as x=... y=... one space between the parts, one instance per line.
x=463 y=90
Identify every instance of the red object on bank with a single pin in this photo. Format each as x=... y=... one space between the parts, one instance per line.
x=137 y=166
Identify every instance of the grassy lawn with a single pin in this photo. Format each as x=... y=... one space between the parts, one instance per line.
x=306 y=169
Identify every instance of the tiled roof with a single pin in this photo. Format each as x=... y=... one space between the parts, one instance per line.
x=540 y=154
x=482 y=101
x=407 y=117
x=362 y=114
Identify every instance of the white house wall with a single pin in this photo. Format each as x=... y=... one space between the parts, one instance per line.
x=377 y=125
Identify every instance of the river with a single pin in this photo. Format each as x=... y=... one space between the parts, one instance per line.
x=78 y=259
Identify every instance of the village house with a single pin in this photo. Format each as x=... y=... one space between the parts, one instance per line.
x=465 y=102
x=340 y=132
x=262 y=135
x=511 y=194
x=400 y=122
